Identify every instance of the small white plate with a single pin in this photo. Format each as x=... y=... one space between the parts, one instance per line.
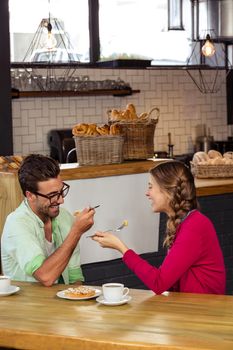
x=63 y=295
x=11 y=290
x=101 y=300
x=68 y=165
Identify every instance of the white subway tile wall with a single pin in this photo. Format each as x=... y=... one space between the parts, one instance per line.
x=183 y=109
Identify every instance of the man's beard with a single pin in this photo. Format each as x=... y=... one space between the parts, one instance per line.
x=49 y=212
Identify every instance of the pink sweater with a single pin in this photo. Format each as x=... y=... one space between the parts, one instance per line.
x=194 y=263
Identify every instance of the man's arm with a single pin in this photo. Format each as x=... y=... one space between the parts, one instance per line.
x=55 y=264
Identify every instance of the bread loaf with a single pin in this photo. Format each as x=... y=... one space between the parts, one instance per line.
x=228 y=155
x=199 y=157
x=214 y=154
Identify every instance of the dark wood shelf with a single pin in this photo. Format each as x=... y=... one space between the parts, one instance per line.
x=120 y=92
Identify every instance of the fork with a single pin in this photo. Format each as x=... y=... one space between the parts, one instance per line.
x=125 y=223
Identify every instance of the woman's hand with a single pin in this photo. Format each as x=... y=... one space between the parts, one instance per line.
x=108 y=240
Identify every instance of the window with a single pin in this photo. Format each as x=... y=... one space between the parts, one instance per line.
x=25 y=18
x=139 y=29
x=127 y=29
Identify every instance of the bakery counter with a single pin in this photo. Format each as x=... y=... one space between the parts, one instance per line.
x=205 y=187
x=73 y=172
x=210 y=187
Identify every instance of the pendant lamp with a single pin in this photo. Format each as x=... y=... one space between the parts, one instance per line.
x=208 y=64
x=50 y=60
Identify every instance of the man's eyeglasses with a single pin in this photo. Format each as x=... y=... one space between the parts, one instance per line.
x=54 y=197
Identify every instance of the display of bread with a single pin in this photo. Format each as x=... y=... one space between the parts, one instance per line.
x=80 y=292
x=212 y=157
x=10 y=162
x=129 y=114
x=83 y=129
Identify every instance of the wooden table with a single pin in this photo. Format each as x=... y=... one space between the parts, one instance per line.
x=35 y=318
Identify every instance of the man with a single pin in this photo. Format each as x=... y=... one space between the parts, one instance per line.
x=40 y=239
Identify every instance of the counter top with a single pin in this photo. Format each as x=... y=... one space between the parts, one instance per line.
x=35 y=318
x=208 y=187
x=93 y=171
x=205 y=187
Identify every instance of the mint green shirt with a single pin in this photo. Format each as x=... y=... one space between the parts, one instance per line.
x=23 y=246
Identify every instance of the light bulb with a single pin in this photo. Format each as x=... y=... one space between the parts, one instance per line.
x=50 y=42
x=208 y=48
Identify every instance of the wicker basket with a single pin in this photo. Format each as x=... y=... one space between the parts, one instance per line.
x=94 y=150
x=139 y=137
x=212 y=171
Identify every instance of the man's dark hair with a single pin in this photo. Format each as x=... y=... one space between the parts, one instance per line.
x=36 y=168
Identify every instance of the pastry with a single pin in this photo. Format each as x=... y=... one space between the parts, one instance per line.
x=13 y=165
x=115 y=129
x=131 y=108
x=103 y=130
x=115 y=115
x=17 y=159
x=3 y=160
x=80 y=129
x=80 y=292
x=91 y=130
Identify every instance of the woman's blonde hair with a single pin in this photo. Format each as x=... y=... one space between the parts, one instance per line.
x=176 y=180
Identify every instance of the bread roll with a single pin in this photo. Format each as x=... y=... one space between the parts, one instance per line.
x=92 y=130
x=80 y=129
x=115 y=129
x=200 y=157
x=114 y=115
x=103 y=130
x=131 y=108
x=17 y=159
x=13 y=165
x=125 y=115
x=214 y=154
x=228 y=161
x=216 y=161
x=3 y=160
x=228 y=155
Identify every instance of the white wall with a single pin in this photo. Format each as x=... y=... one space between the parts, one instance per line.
x=181 y=104
x=120 y=198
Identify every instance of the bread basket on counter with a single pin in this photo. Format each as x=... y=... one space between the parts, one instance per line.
x=212 y=164
x=97 y=144
x=96 y=150
x=138 y=134
x=211 y=171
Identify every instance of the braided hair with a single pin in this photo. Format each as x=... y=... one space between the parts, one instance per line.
x=176 y=180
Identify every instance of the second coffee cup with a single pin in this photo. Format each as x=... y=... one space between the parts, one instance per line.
x=5 y=283
x=114 y=292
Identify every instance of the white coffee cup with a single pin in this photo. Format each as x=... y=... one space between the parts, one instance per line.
x=114 y=292
x=5 y=283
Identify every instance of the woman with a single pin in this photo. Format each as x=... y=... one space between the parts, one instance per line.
x=194 y=262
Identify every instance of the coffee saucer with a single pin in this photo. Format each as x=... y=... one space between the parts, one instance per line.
x=11 y=290
x=101 y=300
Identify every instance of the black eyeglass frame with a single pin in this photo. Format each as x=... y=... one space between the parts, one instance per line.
x=64 y=191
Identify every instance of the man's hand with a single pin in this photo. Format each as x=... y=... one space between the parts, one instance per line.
x=84 y=221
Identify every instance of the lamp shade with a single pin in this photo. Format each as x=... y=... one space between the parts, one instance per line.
x=208 y=64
